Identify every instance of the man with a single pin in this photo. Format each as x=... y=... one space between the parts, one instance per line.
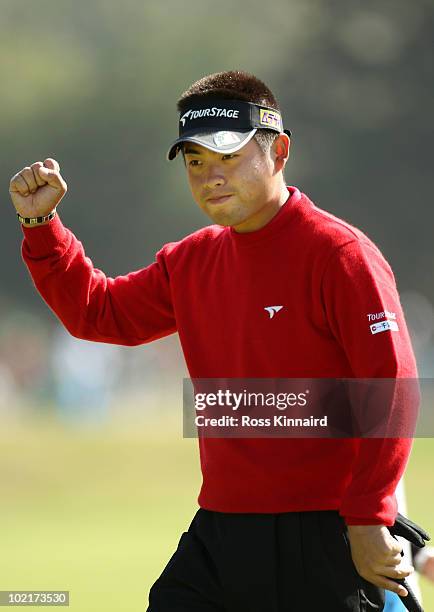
x=283 y=524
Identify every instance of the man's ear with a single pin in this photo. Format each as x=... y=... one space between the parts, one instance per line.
x=280 y=150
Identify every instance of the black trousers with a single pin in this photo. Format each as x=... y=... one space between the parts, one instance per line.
x=290 y=562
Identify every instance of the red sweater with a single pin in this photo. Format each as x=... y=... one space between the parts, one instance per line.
x=212 y=287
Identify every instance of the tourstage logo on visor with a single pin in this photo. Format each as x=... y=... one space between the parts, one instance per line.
x=231 y=113
x=270 y=118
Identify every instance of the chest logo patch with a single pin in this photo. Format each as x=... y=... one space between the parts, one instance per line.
x=272 y=310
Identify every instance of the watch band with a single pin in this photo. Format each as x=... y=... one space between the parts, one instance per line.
x=36 y=220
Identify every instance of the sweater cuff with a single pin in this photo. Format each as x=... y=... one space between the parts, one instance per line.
x=41 y=241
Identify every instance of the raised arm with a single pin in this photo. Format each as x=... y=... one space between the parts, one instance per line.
x=129 y=310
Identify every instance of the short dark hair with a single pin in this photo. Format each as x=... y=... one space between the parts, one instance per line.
x=233 y=85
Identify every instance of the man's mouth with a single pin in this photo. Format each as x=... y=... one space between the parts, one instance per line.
x=218 y=199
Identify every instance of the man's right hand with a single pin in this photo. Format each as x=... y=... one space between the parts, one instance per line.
x=37 y=189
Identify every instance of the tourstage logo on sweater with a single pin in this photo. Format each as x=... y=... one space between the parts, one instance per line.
x=389 y=324
x=375 y=316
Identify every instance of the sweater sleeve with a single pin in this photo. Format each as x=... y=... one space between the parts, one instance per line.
x=128 y=310
x=364 y=313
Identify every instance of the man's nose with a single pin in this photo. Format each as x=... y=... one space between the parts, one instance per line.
x=214 y=178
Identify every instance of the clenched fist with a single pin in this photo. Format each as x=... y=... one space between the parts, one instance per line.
x=37 y=189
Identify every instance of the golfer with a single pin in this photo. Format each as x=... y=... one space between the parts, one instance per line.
x=275 y=288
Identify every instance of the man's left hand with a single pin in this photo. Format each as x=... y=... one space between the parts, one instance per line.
x=377 y=557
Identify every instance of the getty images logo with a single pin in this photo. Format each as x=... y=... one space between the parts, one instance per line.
x=272 y=310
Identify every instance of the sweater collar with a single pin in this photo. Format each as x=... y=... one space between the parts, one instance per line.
x=272 y=227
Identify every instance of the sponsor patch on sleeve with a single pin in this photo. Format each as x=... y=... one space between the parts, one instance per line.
x=382 y=326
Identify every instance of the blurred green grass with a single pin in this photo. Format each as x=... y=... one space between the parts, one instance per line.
x=99 y=512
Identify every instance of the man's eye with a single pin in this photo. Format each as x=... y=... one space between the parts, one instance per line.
x=229 y=156
x=194 y=162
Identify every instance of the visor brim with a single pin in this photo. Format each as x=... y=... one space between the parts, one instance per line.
x=208 y=140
